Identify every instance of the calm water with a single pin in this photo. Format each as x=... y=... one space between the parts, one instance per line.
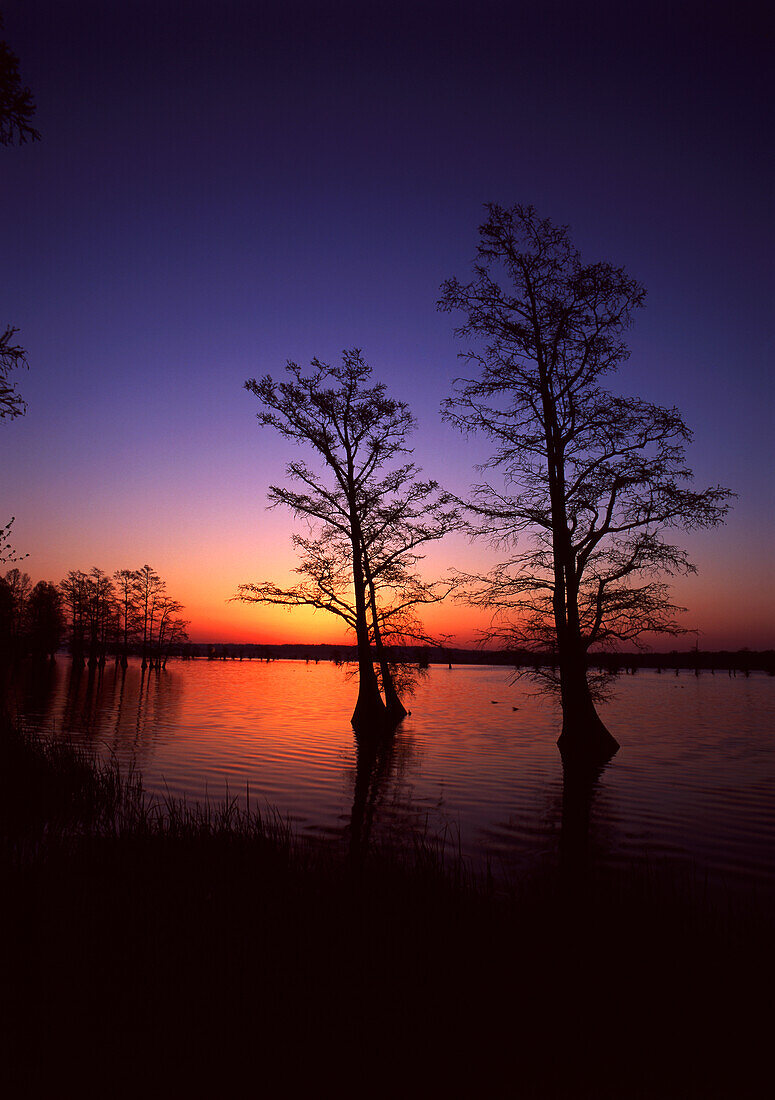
x=693 y=782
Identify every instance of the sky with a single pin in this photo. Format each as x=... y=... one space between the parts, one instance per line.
x=223 y=186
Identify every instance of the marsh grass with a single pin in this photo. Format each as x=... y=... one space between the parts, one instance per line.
x=168 y=935
x=48 y=785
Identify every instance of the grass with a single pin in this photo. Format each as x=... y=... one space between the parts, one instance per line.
x=147 y=940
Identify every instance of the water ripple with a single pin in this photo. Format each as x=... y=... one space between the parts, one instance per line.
x=693 y=782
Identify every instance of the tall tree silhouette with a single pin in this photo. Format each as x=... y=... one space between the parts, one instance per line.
x=127 y=599
x=45 y=620
x=597 y=481
x=74 y=589
x=90 y=600
x=150 y=589
x=102 y=615
x=19 y=587
x=369 y=520
x=170 y=629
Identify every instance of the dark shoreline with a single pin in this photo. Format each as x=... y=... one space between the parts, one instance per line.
x=735 y=661
x=211 y=926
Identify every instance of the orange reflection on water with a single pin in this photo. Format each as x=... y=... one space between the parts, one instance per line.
x=476 y=759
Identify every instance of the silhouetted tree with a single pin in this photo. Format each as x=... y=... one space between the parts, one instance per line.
x=16 y=111
x=16 y=104
x=90 y=601
x=6 y=619
x=170 y=630
x=393 y=594
x=401 y=515
x=127 y=601
x=45 y=620
x=107 y=617
x=12 y=404
x=357 y=430
x=150 y=588
x=74 y=590
x=19 y=587
x=102 y=613
x=597 y=480
x=7 y=551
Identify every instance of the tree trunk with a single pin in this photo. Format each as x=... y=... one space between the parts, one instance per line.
x=395 y=708
x=369 y=710
x=584 y=737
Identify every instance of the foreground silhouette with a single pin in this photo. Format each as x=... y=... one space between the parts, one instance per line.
x=216 y=936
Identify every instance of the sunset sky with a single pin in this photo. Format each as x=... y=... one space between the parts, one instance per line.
x=225 y=185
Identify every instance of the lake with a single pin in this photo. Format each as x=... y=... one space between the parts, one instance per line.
x=475 y=761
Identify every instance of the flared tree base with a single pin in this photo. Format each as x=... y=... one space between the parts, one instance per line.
x=396 y=711
x=371 y=716
x=585 y=739
x=375 y=724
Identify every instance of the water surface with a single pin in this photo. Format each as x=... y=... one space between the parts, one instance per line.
x=476 y=760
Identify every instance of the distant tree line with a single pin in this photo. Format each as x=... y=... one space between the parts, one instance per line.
x=621 y=662
x=97 y=616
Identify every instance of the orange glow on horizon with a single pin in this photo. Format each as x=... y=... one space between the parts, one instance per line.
x=729 y=610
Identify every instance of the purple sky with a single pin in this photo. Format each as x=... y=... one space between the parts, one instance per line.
x=222 y=186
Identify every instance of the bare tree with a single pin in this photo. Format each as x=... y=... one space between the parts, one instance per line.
x=171 y=629
x=12 y=404
x=7 y=551
x=75 y=596
x=401 y=515
x=597 y=482
x=45 y=620
x=150 y=588
x=357 y=430
x=19 y=587
x=16 y=111
x=127 y=600
x=393 y=597
x=102 y=614
x=16 y=103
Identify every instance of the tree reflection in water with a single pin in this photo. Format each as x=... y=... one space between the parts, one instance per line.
x=380 y=760
x=579 y=787
x=380 y=806
x=121 y=710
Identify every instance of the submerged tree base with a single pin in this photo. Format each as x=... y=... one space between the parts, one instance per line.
x=586 y=740
x=376 y=722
